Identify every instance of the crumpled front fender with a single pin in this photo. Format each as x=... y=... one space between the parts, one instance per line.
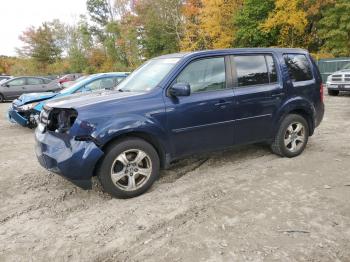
x=62 y=154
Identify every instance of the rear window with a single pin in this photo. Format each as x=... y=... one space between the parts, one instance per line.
x=298 y=67
x=255 y=70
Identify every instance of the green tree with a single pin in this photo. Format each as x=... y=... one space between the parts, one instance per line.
x=248 y=20
x=159 y=26
x=41 y=44
x=335 y=28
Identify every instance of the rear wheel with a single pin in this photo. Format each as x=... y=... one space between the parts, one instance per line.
x=129 y=168
x=292 y=136
x=333 y=92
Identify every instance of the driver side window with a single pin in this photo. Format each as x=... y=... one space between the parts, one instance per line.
x=17 y=82
x=204 y=75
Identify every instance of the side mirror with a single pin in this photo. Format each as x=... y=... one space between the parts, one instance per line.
x=180 y=89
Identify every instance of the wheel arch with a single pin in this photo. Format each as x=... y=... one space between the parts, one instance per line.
x=308 y=117
x=149 y=138
x=299 y=107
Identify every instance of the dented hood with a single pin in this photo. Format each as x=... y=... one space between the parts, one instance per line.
x=86 y=99
x=34 y=97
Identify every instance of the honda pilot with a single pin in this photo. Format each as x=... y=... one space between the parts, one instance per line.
x=177 y=105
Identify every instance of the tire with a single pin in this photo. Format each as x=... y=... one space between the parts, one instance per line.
x=333 y=92
x=2 y=99
x=289 y=140
x=129 y=168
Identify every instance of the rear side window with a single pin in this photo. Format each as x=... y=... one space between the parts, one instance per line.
x=255 y=70
x=34 y=81
x=298 y=67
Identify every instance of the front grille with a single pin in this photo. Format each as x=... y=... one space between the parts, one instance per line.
x=337 y=78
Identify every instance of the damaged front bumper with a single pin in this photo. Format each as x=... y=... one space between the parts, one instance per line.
x=63 y=155
x=25 y=118
x=14 y=116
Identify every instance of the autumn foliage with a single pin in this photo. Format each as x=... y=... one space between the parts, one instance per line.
x=118 y=35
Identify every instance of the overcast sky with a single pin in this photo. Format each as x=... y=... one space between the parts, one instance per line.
x=17 y=15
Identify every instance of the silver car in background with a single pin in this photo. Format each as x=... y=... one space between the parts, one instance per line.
x=14 y=87
x=339 y=81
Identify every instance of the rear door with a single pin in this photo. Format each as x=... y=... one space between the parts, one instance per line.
x=35 y=84
x=258 y=95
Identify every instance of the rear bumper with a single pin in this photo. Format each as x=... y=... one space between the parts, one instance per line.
x=61 y=154
x=14 y=116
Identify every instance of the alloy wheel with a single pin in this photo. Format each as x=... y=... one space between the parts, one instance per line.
x=294 y=137
x=131 y=170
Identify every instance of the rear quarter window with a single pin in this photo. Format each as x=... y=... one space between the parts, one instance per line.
x=299 y=67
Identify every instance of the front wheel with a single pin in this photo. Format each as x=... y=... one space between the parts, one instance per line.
x=2 y=99
x=129 y=168
x=292 y=136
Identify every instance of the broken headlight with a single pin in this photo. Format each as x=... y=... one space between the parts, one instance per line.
x=61 y=120
x=27 y=107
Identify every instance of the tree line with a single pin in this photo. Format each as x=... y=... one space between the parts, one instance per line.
x=118 y=35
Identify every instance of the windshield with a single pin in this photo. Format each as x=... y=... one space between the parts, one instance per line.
x=76 y=84
x=148 y=76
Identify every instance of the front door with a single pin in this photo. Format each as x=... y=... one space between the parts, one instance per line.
x=16 y=87
x=204 y=120
x=258 y=95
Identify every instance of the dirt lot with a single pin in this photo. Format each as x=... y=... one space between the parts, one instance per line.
x=241 y=204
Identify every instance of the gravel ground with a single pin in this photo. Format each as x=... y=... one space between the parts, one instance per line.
x=240 y=204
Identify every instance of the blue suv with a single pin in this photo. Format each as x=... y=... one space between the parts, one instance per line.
x=178 y=105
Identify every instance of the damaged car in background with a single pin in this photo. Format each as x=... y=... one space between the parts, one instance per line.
x=26 y=109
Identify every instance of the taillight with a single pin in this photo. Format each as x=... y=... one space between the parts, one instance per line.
x=321 y=92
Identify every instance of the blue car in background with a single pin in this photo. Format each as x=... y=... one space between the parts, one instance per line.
x=26 y=109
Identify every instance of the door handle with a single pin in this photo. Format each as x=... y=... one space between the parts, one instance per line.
x=278 y=95
x=222 y=103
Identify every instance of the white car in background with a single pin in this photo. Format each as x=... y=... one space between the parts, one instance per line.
x=339 y=81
